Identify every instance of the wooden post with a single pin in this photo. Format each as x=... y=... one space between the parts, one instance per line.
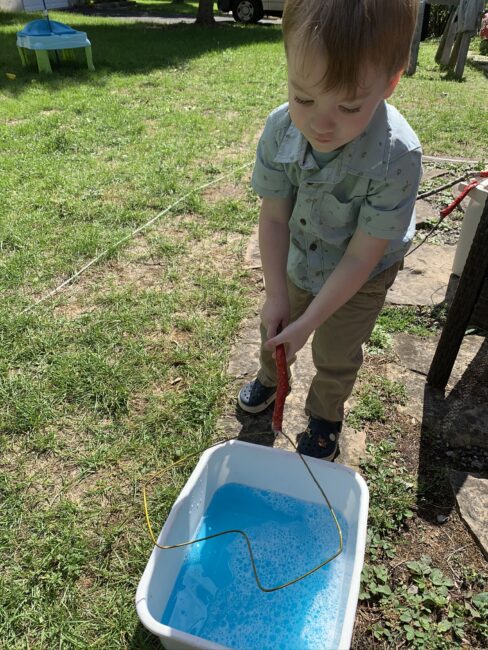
x=447 y=39
x=454 y=52
x=414 y=49
x=462 y=55
x=205 y=15
x=459 y=315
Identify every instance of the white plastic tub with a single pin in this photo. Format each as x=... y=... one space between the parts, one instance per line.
x=261 y=468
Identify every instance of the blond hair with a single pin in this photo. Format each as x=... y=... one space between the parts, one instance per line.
x=351 y=34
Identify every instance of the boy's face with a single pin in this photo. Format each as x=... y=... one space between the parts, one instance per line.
x=331 y=119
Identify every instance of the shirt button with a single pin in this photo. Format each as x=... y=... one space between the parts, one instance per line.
x=313 y=246
x=303 y=222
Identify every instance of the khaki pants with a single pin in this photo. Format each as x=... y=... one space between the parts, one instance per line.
x=336 y=345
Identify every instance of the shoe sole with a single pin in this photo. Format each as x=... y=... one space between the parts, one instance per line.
x=260 y=407
x=331 y=457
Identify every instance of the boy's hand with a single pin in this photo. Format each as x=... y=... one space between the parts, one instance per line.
x=294 y=336
x=275 y=312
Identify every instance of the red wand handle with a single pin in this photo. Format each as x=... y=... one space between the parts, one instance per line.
x=445 y=211
x=282 y=388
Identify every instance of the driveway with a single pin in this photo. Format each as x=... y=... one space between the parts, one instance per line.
x=138 y=15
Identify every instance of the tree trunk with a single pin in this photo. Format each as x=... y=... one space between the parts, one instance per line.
x=205 y=14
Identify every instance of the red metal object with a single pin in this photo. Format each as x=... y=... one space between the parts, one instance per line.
x=447 y=210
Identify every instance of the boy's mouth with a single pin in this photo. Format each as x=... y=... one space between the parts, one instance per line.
x=322 y=138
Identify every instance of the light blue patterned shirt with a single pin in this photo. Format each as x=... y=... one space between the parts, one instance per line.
x=371 y=183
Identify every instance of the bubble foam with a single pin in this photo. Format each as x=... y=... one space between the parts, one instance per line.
x=216 y=597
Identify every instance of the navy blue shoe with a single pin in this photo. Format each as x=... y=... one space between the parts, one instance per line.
x=254 y=397
x=320 y=440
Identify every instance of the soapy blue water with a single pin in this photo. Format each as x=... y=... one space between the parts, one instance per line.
x=216 y=597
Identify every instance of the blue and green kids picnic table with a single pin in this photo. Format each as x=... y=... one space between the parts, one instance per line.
x=44 y=35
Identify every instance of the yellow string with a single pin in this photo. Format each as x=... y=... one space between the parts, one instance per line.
x=241 y=532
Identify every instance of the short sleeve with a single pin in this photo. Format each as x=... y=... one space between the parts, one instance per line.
x=269 y=178
x=387 y=210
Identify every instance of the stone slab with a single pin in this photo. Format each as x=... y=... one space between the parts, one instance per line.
x=353 y=447
x=244 y=359
x=460 y=413
x=425 y=212
x=471 y=492
x=479 y=61
x=466 y=425
x=416 y=353
x=252 y=257
x=420 y=405
x=425 y=277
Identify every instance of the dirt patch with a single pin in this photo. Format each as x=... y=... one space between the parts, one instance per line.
x=151 y=126
x=50 y=111
x=48 y=478
x=144 y=265
x=136 y=268
x=223 y=192
x=15 y=122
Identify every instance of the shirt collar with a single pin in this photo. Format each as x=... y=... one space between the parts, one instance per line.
x=369 y=153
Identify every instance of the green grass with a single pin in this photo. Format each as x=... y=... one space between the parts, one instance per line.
x=444 y=112
x=125 y=371
x=421 y=321
x=376 y=397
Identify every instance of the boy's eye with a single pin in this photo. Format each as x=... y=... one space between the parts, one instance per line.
x=307 y=102
x=347 y=109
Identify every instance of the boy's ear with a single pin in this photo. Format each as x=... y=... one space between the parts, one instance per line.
x=392 y=84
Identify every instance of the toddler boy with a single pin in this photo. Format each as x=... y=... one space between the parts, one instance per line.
x=338 y=171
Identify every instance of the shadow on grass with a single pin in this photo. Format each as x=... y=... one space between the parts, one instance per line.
x=478 y=65
x=127 y=47
x=144 y=640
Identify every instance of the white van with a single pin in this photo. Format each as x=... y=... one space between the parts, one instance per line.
x=250 y=11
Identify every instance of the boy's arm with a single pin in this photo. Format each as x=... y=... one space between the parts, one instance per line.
x=274 y=239
x=361 y=256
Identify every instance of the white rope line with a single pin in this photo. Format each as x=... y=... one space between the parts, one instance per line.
x=76 y=275
x=129 y=236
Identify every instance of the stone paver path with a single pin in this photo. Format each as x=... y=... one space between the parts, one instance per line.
x=472 y=497
x=425 y=276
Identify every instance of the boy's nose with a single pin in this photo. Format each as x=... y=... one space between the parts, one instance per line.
x=323 y=125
